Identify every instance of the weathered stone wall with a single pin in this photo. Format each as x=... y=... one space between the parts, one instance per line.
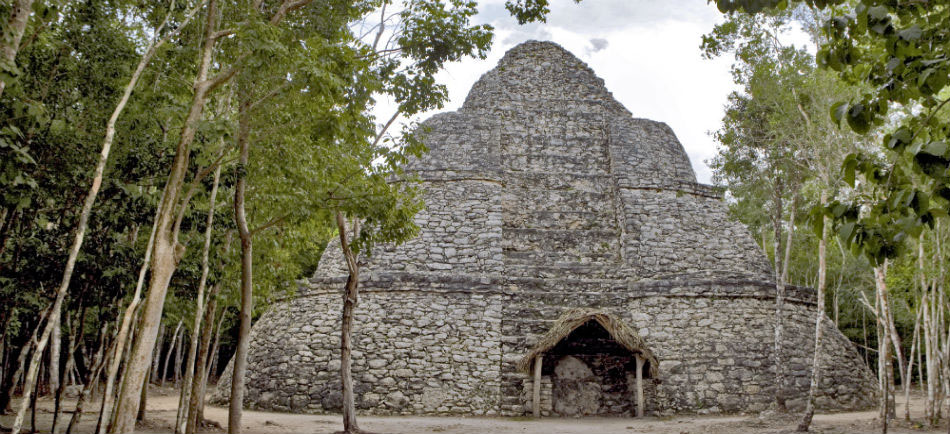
x=417 y=353
x=446 y=351
x=543 y=194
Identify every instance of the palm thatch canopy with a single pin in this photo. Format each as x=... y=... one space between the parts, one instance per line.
x=574 y=318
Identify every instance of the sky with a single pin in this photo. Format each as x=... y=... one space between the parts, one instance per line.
x=647 y=52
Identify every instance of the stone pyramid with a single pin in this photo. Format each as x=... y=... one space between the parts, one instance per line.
x=544 y=195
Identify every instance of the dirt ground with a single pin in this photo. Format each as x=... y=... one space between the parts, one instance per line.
x=162 y=405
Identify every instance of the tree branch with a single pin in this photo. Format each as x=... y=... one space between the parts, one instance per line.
x=271 y=223
x=286 y=7
x=252 y=105
x=386 y=127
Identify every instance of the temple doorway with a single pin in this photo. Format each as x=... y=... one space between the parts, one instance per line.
x=593 y=361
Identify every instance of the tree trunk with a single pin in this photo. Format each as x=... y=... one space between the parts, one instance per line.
x=780 y=380
x=171 y=351
x=186 y=389
x=884 y=343
x=240 y=219
x=816 y=361
x=143 y=400
x=154 y=44
x=98 y=363
x=176 y=373
x=193 y=417
x=211 y=369
x=157 y=358
x=55 y=347
x=910 y=365
x=13 y=33
x=350 y=299
x=167 y=250
x=7 y=397
x=75 y=336
x=107 y=415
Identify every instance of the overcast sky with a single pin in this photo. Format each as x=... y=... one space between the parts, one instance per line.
x=647 y=52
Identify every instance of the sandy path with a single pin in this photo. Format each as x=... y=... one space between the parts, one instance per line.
x=163 y=402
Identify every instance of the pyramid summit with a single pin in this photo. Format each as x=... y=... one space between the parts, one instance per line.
x=566 y=252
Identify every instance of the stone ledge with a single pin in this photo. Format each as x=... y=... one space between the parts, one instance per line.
x=689 y=285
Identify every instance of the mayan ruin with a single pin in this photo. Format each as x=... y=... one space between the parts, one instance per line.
x=564 y=240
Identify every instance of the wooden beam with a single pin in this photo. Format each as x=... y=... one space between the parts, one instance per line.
x=536 y=396
x=640 y=402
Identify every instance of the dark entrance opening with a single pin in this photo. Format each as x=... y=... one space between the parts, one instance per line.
x=593 y=375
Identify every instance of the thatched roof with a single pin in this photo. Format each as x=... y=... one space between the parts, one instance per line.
x=574 y=318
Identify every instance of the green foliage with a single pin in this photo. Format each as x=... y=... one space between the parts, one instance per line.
x=900 y=53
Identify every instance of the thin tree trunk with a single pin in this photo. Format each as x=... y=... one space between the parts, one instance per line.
x=21 y=366
x=890 y=333
x=884 y=343
x=98 y=363
x=154 y=44
x=107 y=416
x=816 y=361
x=36 y=392
x=211 y=369
x=171 y=351
x=780 y=380
x=10 y=40
x=124 y=330
x=143 y=400
x=350 y=299
x=201 y=373
x=240 y=354
x=75 y=335
x=186 y=389
x=157 y=358
x=167 y=250
x=176 y=373
x=55 y=350
x=213 y=365
x=910 y=365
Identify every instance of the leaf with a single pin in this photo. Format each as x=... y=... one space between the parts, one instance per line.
x=936 y=148
x=849 y=167
x=846 y=231
x=911 y=33
x=838 y=111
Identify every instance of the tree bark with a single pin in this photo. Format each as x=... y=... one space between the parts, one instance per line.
x=176 y=373
x=16 y=25
x=90 y=196
x=92 y=381
x=7 y=397
x=184 y=400
x=171 y=351
x=143 y=400
x=55 y=346
x=816 y=361
x=780 y=299
x=350 y=300
x=910 y=365
x=124 y=330
x=167 y=250
x=240 y=219
x=193 y=417
x=75 y=336
x=884 y=364
x=157 y=358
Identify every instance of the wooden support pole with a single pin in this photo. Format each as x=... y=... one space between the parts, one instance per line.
x=640 y=402
x=536 y=397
